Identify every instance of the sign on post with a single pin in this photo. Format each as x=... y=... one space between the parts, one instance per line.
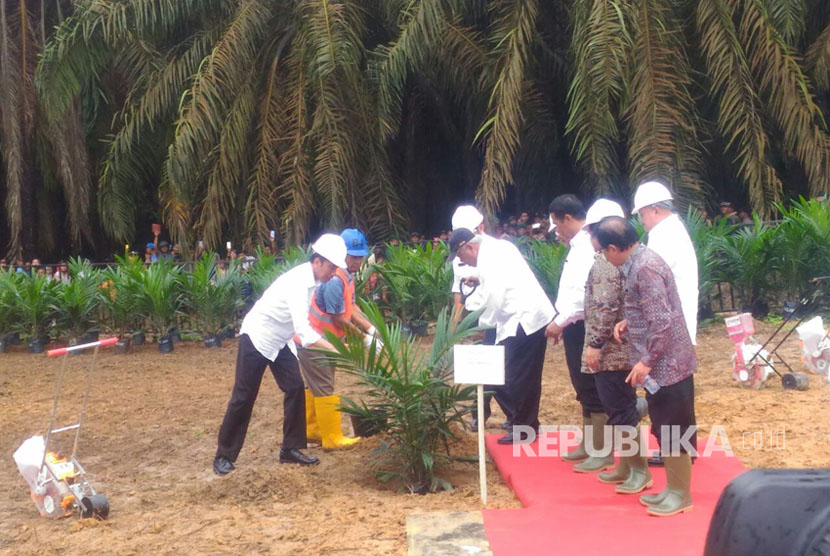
x=479 y=365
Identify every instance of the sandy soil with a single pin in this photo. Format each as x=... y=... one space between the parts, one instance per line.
x=150 y=437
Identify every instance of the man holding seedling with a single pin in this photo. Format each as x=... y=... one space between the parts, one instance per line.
x=334 y=309
x=265 y=337
x=517 y=305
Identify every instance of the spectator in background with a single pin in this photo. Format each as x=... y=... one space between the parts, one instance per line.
x=746 y=218
x=4 y=265
x=728 y=213
x=150 y=253
x=177 y=253
x=50 y=273
x=164 y=253
x=37 y=268
x=62 y=272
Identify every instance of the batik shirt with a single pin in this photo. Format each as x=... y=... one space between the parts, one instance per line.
x=604 y=298
x=656 y=328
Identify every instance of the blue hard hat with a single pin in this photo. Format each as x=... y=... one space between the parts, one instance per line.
x=355 y=242
x=151 y=245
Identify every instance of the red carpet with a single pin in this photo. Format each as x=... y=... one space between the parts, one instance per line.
x=572 y=513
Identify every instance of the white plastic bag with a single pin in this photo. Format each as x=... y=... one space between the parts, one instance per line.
x=815 y=346
x=29 y=458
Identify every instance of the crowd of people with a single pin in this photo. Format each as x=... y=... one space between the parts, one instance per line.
x=625 y=313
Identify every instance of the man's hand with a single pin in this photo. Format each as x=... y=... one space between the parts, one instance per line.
x=620 y=329
x=638 y=374
x=554 y=332
x=592 y=358
x=471 y=281
x=322 y=343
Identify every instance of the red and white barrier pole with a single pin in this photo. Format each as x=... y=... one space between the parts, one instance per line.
x=65 y=350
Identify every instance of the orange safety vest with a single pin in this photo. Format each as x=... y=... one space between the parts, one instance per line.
x=322 y=321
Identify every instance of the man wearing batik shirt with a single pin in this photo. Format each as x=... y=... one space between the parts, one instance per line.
x=609 y=361
x=663 y=351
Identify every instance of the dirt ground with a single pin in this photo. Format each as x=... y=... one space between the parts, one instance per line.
x=151 y=433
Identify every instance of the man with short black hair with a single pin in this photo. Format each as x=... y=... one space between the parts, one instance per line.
x=663 y=351
x=567 y=216
x=264 y=341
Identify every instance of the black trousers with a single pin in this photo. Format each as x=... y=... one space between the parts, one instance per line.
x=618 y=398
x=674 y=407
x=499 y=392
x=573 y=336
x=524 y=357
x=250 y=366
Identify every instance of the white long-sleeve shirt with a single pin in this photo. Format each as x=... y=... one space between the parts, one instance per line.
x=513 y=295
x=671 y=241
x=282 y=312
x=570 y=298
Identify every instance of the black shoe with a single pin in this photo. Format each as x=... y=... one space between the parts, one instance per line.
x=222 y=466
x=296 y=456
x=656 y=461
x=507 y=425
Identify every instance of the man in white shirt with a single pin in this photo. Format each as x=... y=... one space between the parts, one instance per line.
x=517 y=305
x=667 y=236
x=265 y=340
x=469 y=217
x=567 y=214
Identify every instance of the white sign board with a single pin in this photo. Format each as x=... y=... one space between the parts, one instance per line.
x=479 y=364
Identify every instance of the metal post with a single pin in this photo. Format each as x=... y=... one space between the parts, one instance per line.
x=54 y=409
x=86 y=397
x=482 y=454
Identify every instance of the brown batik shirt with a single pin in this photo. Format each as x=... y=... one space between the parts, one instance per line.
x=656 y=328
x=604 y=298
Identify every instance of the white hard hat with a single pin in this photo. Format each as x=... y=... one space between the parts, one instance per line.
x=467 y=216
x=602 y=208
x=332 y=248
x=649 y=193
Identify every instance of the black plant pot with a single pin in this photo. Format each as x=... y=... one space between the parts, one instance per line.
x=165 y=344
x=418 y=327
x=227 y=333
x=122 y=346
x=2 y=344
x=759 y=309
x=37 y=345
x=90 y=337
x=213 y=341
x=368 y=427
x=793 y=309
x=138 y=339
x=175 y=336
x=13 y=339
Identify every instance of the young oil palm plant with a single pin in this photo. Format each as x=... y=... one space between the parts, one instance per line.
x=78 y=301
x=120 y=290
x=708 y=243
x=805 y=244
x=33 y=300
x=160 y=298
x=8 y=315
x=213 y=298
x=547 y=259
x=409 y=395
x=267 y=268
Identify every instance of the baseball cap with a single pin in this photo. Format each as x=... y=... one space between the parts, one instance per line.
x=355 y=242
x=467 y=216
x=457 y=239
x=332 y=248
x=602 y=208
x=650 y=193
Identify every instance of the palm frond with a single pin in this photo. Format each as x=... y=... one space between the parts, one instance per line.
x=12 y=132
x=817 y=60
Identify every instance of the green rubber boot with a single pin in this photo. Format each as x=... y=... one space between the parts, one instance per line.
x=595 y=464
x=617 y=476
x=678 y=498
x=639 y=477
x=654 y=499
x=579 y=453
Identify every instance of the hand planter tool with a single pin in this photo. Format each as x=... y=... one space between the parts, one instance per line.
x=791 y=380
x=741 y=328
x=466 y=294
x=61 y=487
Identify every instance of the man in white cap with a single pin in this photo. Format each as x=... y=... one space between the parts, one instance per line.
x=667 y=236
x=568 y=216
x=265 y=339
x=517 y=305
x=470 y=218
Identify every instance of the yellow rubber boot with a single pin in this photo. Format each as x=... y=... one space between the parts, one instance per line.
x=312 y=431
x=328 y=419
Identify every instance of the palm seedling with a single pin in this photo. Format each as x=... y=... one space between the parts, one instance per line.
x=707 y=241
x=8 y=284
x=120 y=289
x=160 y=299
x=547 y=259
x=409 y=396
x=267 y=268
x=213 y=297
x=77 y=302
x=33 y=303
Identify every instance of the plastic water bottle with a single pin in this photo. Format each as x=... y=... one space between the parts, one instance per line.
x=650 y=385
